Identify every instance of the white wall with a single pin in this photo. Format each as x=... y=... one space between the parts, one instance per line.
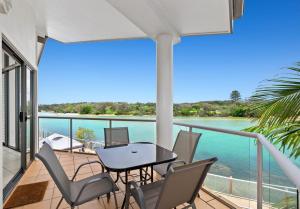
x=18 y=26
x=1 y=125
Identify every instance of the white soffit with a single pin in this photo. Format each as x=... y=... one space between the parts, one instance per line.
x=199 y=17
x=82 y=20
x=91 y=20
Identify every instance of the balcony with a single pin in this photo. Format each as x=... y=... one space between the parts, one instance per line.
x=70 y=161
x=250 y=173
x=246 y=172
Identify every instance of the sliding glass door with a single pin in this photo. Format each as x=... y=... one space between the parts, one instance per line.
x=17 y=109
x=11 y=107
x=27 y=107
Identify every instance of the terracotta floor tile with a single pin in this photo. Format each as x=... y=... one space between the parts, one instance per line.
x=134 y=206
x=200 y=204
x=217 y=204
x=111 y=204
x=204 y=196
x=27 y=180
x=37 y=172
x=55 y=201
x=48 y=194
x=94 y=204
x=83 y=176
x=44 y=204
x=56 y=193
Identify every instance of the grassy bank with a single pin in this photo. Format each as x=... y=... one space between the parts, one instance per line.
x=197 y=109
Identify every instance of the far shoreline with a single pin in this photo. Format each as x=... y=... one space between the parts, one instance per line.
x=144 y=116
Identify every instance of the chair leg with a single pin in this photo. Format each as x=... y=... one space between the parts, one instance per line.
x=193 y=206
x=61 y=199
x=115 y=197
x=127 y=196
x=108 y=197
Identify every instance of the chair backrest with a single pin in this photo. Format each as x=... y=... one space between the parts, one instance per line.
x=183 y=183
x=116 y=136
x=49 y=159
x=185 y=145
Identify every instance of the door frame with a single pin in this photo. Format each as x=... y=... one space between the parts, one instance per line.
x=17 y=101
x=21 y=106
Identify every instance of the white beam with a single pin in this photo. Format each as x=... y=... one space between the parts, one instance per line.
x=148 y=15
x=164 y=100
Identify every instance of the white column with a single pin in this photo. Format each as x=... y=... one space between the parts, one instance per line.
x=1 y=124
x=164 y=98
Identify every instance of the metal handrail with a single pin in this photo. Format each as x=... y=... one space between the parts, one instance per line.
x=288 y=167
x=269 y=186
x=98 y=118
x=291 y=170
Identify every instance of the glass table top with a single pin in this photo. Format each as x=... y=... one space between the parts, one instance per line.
x=134 y=156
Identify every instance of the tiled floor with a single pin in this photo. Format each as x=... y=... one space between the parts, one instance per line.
x=11 y=164
x=37 y=172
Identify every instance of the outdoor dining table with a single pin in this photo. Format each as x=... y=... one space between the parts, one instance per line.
x=134 y=156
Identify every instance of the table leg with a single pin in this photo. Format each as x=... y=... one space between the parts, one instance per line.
x=151 y=173
x=118 y=175
x=141 y=175
x=126 y=182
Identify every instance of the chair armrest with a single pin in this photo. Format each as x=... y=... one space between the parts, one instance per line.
x=92 y=181
x=87 y=163
x=175 y=162
x=139 y=193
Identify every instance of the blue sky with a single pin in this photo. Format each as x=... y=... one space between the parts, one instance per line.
x=265 y=40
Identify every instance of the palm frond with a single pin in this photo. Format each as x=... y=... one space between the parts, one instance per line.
x=277 y=102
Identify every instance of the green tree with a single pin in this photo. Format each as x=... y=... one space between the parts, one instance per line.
x=235 y=96
x=238 y=111
x=86 y=109
x=277 y=102
x=85 y=133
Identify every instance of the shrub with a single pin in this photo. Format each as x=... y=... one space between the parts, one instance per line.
x=238 y=111
x=85 y=133
x=86 y=109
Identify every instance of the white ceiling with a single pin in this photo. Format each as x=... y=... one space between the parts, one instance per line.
x=91 y=20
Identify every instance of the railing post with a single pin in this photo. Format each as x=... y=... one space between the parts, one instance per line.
x=298 y=197
x=259 y=175
x=71 y=135
x=190 y=129
x=110 y=124
x=230 y=185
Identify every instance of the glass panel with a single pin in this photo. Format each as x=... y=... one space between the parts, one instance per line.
x=138 y=131
x=278 y=190
x=29 y=139
x=88 y=134
x=233 y=176
x=12 y=108
x=55 y=132
x=11 y=153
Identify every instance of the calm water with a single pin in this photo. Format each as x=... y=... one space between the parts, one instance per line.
x=237 y=155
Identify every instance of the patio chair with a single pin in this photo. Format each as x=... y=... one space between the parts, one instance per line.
x=185 y=147
x=76 y=192
x=116 y=137
x=181 y=185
